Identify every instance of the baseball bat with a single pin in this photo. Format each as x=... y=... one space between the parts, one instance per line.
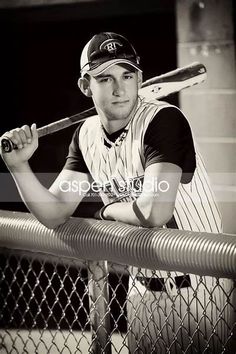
x=154 y=88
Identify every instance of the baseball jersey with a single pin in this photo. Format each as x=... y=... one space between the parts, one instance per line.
x=118 y=167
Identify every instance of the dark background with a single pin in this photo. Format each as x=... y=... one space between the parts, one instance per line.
x=40 y=54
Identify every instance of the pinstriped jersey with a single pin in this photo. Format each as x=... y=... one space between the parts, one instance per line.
x=119 y=170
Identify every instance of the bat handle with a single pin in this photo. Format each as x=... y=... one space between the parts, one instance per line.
x=7 y=145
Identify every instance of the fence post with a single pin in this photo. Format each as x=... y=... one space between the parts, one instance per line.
x=99 y=307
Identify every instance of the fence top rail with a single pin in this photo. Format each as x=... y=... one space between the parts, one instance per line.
x=89 y=239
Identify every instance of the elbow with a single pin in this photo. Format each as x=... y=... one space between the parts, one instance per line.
x=53 y=224
x=159 y=216
x=157 y=221
x=50 y=226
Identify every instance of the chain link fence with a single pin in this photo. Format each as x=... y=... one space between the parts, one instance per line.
x=46 y=307
x=58 y=296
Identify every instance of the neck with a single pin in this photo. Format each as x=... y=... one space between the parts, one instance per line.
x=113 y=125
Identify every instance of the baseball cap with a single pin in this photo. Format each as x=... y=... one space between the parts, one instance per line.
x=105 y=50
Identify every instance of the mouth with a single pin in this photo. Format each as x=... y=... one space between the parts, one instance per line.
x=120 y=102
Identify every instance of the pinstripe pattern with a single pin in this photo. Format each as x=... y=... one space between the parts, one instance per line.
x=168 y=317
x=195 y=207
x=122 y=162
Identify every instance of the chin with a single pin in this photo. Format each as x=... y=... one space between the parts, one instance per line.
x=122 y=114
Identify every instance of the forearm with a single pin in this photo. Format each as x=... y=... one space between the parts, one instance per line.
x=155 y=206
x=43 y=204
x=121 y=211
x=137 y=213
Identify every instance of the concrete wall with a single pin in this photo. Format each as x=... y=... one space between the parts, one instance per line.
x=205 y=33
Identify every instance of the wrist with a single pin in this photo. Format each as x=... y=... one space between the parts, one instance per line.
x=19 y=167
x=139 y=215
x=104 y=212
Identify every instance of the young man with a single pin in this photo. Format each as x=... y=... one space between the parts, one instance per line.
x=142 y=157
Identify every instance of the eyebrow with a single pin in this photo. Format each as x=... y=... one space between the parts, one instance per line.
x=109 y=75
x=102 y=75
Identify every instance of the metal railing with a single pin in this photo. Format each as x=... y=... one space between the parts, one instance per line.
x=85 y=288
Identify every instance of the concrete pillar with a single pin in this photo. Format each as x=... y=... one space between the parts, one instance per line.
x=205 y=33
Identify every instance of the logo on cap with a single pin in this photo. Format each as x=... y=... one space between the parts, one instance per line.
x=110 y=45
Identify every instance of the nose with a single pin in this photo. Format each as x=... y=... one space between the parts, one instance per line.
x=118 y=88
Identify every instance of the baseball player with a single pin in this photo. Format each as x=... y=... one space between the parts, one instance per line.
x=141 y=157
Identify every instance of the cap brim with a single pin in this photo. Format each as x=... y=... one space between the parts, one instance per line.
x=101 y=68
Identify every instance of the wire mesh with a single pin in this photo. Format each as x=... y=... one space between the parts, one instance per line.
x=46 y=306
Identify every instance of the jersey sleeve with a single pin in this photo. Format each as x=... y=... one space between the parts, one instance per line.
x=74 y=159
x=168 y=138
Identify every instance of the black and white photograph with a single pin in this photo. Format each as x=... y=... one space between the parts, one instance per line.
x=118 y=177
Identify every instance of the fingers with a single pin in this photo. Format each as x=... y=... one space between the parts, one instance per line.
x=23 y=136
x=34 y=131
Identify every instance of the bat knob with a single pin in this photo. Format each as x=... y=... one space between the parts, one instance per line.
x=7 y=145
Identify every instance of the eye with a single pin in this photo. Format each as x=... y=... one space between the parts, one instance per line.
x=128 y=76
x=104 y=79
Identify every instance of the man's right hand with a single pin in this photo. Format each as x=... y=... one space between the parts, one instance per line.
x=26 y=140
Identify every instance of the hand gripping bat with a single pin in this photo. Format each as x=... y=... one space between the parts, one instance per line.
x=154 y=88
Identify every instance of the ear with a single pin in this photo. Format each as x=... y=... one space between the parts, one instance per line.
x=140 y=79
x=84 y=86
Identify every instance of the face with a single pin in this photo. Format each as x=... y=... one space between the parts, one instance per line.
x=115 y=92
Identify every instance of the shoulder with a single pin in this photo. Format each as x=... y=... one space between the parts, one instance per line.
x=90 y=123
x=156 y=105
x=88 y=132
x=77 y=130
x=81 y=128
x=171 y=118
x=84 y=127
x=146 y=112
x=170 y=113
x=162 y=110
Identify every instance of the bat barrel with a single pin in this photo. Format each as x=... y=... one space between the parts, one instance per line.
x=178 y=75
